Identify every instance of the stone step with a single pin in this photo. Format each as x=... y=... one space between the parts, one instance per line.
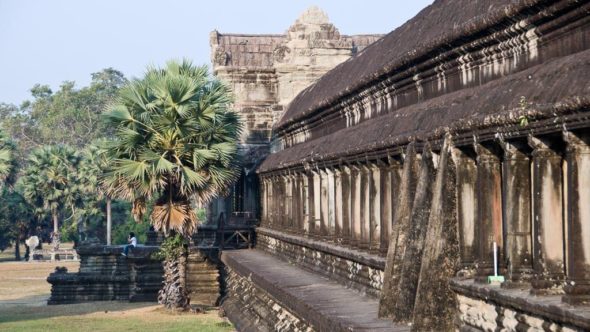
x=325 y=304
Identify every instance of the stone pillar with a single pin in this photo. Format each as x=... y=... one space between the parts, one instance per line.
x=466 y=178
x=288 y=198
x=355 y=180
x=301 y=197
x=399 y=232
x=331 y=191
x=264 y=196
x=365 y=175
x=324 y=204
x=346 y=205
x=577 y=288
x=294 y=203
x=271 y=212
x=317 y=205
x=434 y=308
x=338 y=205
x=414 y=243
x=303 y=210
x=386 y=207
x=489 y=207
x=376 y=202
x=516 y=187
x=310 y=215
x=548 y=239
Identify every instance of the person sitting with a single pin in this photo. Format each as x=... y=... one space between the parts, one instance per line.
x=132 y=240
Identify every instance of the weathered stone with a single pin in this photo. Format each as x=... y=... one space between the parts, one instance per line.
x=405 y=291
x=435 y=303
x=399 y=233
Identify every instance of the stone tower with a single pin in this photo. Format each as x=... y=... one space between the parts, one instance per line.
x=265 y=73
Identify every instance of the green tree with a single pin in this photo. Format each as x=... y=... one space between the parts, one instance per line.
x=8 y=159
x=52 y=185
x=16 y=220
x=175 y=142
x=68 y=116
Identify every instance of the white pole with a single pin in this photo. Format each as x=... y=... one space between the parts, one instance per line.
x=495 y=259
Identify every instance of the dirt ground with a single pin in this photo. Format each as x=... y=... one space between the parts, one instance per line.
x=23 y=307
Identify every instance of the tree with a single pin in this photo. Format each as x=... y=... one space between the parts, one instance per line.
x=52 y=185
x=68 y=116
x=16 y=220
x=8 y=159
x=175 y=142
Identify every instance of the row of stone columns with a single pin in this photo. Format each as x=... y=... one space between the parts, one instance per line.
x=350 y=205
x=531 y=196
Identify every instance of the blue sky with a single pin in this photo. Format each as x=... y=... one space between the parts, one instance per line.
x=51 y=41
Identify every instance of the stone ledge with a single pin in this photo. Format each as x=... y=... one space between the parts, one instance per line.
x=139 y=252
x=548 y=307
x=325 y=304
x=357 y=256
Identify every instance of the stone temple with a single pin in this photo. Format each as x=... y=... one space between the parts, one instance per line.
x=266 y=72
x=386 y=171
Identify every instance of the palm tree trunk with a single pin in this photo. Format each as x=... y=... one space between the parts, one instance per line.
x=109 y=222
x=174 y=294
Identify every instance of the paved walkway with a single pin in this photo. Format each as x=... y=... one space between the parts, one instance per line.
x=327 y=305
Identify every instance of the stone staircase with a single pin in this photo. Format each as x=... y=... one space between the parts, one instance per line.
x=265 y=293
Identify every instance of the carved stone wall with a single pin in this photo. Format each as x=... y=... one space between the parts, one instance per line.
x=267 y=71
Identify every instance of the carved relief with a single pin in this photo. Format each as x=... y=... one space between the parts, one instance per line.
x=280 y=52
x=221 y=57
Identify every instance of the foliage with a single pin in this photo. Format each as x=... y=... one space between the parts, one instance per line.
x=172 y=248
x=16 y=219
x=8 y=165
x=523 y=105
x=175 y=141
x=51 y=183
x=68 y=116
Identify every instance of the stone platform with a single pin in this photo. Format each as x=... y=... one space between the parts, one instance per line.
x=106 y=275
x=265 y=293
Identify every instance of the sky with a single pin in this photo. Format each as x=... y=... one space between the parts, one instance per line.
x=51 y=41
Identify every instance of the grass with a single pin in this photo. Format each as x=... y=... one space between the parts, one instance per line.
x=24 y=292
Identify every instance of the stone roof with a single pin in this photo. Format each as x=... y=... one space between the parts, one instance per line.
x=554 y=91
x=440 y=26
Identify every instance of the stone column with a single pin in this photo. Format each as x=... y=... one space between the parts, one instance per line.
x=489 y=207
x=331 y=191
x=294 y=203
x=264 y=195
x=271 y=211
x=376 y=202
x=577 y=288
x=516 y=186
x=317 y=205
x=365 y=220
x=301 y=197
x=310 y=213
x=386 y=207
x=288 y=197
x=324 y=204
x=466 y=178
x=548 y=239
x=346 y=205
x=338 y=235
x=399 y=233
x=355 y=180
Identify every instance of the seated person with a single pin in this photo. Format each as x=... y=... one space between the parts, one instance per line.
x=132 y=240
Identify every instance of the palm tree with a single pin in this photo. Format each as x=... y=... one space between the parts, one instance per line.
x=7 y=161
x=175 y=143
x=51 y=183
x=96 y=163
